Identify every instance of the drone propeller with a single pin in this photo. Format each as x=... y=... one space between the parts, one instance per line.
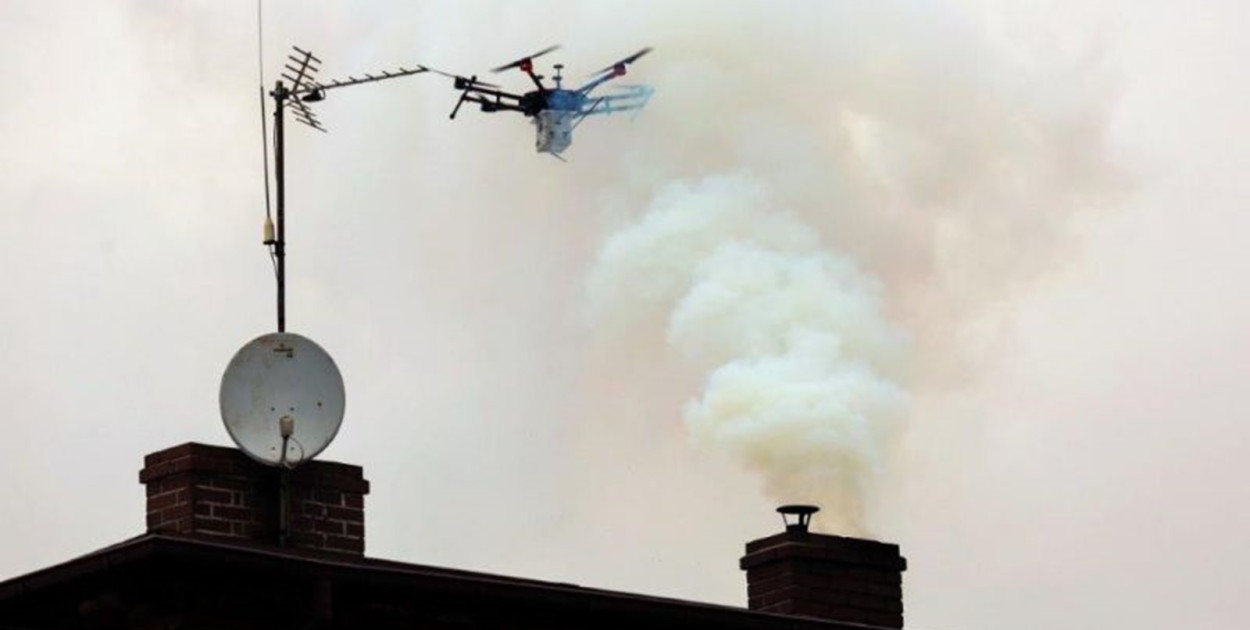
x=619 y=67
x=462 y=81
x=525 y=63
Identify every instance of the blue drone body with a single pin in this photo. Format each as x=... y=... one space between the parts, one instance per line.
x=555 y=111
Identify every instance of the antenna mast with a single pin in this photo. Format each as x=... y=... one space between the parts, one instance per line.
x=300 y=72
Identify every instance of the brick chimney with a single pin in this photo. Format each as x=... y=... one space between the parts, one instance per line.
x=218 y=492
x=830 y=577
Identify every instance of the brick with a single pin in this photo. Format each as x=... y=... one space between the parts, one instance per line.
x=828 y=583
x=198 y=488
x=834 y=598
x=238 y=484
x=328 y=527
x=232 y=513
x=154 y=472
x=163 y=500
x=182 y=510
x=213 y=495
x=257 y=500
x=169 y=454
x=340 y=543
x=332 y=476
x=167 y=483
x=346 y=514
x=182 y=464
x=829 y=577
x=212 y=526
x=300 y=493
x=328 y=497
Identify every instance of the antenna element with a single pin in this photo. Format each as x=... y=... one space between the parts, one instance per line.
x=300 y=71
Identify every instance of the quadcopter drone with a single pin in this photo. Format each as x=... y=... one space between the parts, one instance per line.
x=556 y=111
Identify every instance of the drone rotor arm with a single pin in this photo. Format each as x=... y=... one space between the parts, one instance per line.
x=497 y=94
x=490 y=106
x=634 y=99
x=526 y=61
x=618 y=68
x=461 y=80
x=596 y=82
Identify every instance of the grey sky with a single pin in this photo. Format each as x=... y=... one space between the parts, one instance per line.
x=1074 y=456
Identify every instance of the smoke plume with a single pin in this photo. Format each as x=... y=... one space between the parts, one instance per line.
x=803 y=368
x=825 y=224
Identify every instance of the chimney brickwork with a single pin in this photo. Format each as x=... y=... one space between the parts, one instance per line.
x=214 y=491
x=830 y=577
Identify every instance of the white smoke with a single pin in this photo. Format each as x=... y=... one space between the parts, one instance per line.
x=820 y=232
x=804 y=368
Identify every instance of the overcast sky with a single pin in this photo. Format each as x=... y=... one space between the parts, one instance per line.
x=1052 y=202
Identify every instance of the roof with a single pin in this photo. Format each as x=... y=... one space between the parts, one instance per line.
x=365 y=587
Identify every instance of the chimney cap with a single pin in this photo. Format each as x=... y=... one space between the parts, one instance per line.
x=802 y=516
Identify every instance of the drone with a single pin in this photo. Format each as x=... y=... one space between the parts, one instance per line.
x=555 y=111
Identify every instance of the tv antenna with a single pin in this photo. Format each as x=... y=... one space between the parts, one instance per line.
x=297 y=90
x=282 y=397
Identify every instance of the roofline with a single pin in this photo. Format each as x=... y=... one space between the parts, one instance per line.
x=152 y=545
x=103 y=559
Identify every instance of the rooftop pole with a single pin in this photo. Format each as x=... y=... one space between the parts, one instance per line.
x=304 y=89
x=280 y=95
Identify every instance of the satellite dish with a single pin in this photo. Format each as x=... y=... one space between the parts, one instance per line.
x=282 y=399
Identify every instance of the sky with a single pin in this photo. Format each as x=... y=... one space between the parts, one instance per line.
x=1035 y=215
